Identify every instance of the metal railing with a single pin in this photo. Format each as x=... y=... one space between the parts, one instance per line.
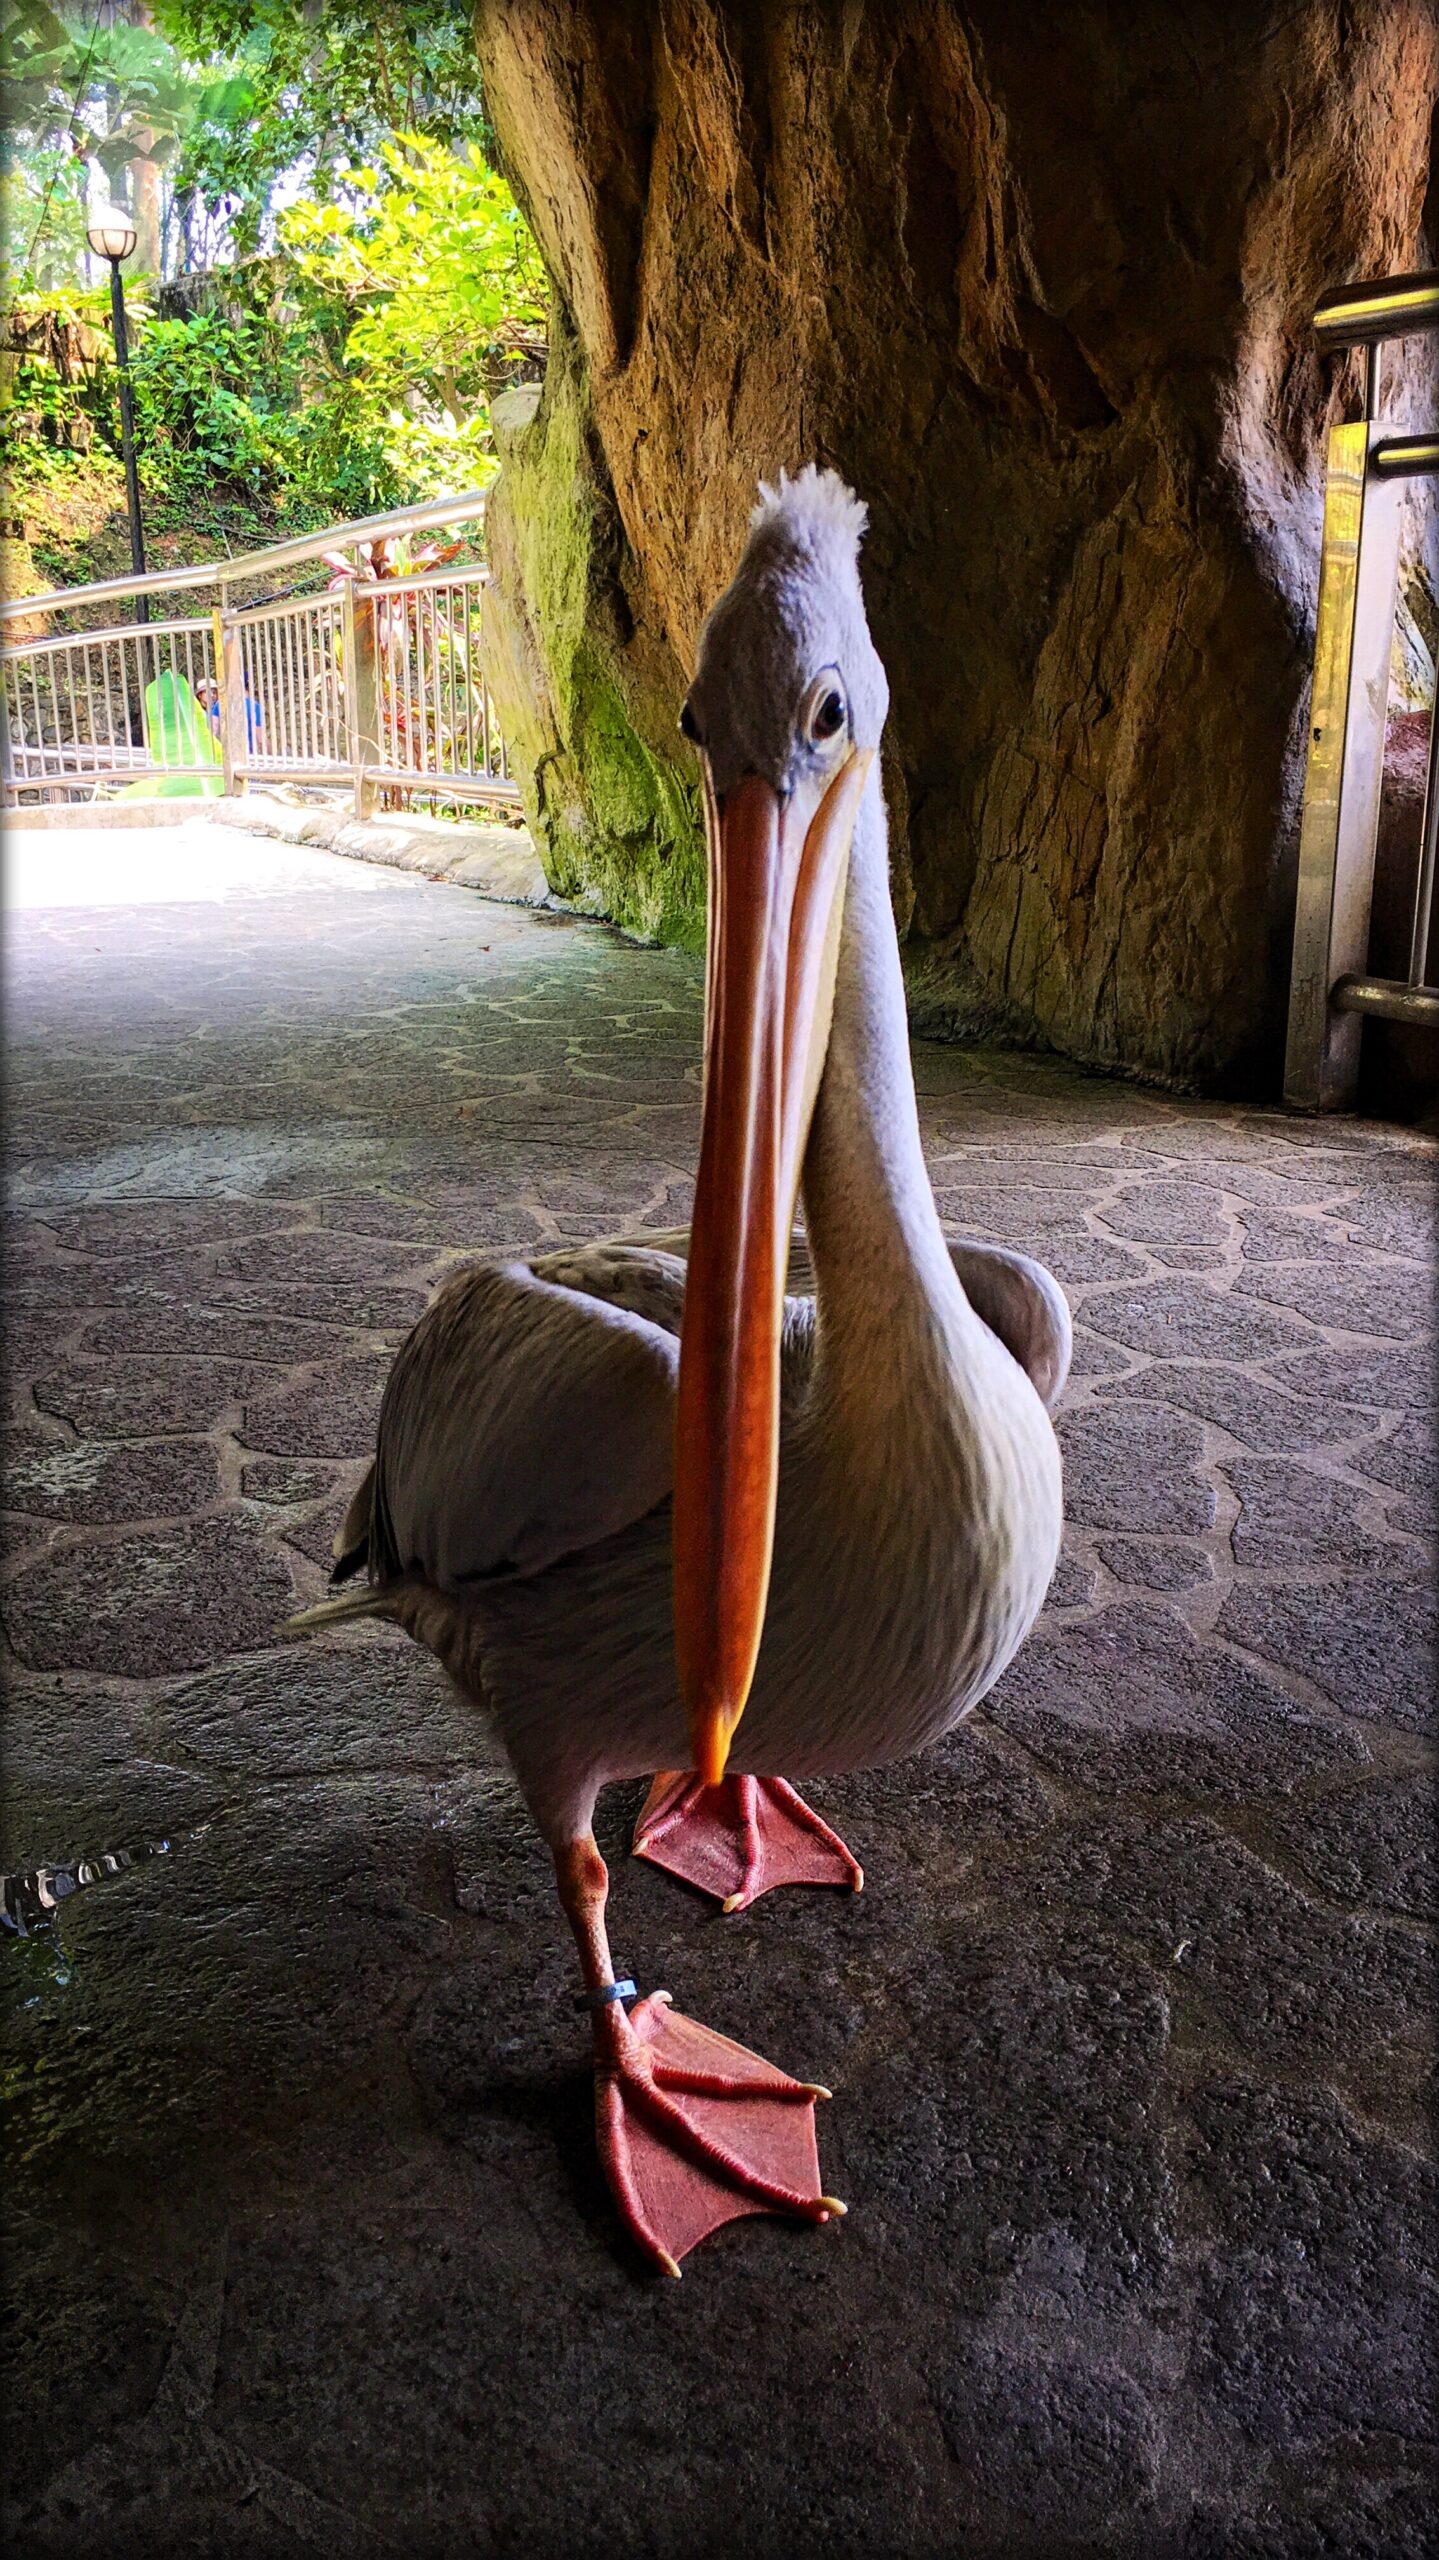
x=1332 y=987
x=374 y=683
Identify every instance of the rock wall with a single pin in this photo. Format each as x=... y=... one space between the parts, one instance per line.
x=1038 y=282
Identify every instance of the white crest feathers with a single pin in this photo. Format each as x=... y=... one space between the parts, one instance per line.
x=815 y=507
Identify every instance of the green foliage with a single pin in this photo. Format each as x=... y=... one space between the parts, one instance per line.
x=342 y=354
x=445 y=294
x=197 y=415
x=324 y=88
x=440 y=263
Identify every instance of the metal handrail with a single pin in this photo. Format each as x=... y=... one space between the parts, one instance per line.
x=1332 y=987
x=330 y=686
x=432 y=516
x=1364 y=315
x=116 y=631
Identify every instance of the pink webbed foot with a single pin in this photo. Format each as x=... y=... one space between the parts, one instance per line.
x=695 y=2131
x=741 y=1838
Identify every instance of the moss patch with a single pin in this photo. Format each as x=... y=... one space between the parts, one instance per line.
x=583 y=702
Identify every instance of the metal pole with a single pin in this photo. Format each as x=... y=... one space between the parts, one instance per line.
x=1428 y=854
x=127 y=435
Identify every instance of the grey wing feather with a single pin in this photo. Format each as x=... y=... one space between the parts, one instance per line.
x=524 y=1418
x=1016 y=1297
x=1025 y=1305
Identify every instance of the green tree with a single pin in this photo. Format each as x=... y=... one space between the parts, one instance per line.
x=446 y=294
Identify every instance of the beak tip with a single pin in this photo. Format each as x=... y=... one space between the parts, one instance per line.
x=710 y=1737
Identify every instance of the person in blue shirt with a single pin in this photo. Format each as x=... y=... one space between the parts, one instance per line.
x=209 y=693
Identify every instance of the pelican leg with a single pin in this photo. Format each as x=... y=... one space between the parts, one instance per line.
x=741 y=1838
x=693 y=2130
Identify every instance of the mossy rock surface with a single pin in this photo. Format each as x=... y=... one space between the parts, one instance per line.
x=583 y=692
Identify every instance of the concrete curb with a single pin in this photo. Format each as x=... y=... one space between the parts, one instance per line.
x=497 y=862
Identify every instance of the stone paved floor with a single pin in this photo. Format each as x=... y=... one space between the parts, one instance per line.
x=1130 y=2032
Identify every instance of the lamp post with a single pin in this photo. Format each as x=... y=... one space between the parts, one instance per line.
x=112 y=235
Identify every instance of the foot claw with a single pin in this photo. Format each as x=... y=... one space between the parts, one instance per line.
x=832 y=2205
x=670 y=2266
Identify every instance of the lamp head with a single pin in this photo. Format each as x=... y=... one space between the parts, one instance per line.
x=111 y=233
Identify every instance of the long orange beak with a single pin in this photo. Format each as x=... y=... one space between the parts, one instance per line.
x=775 y=907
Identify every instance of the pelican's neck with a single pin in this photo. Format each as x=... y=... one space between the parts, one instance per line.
x=882 y=1269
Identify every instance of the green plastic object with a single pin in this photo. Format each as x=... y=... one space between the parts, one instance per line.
x=179 y=733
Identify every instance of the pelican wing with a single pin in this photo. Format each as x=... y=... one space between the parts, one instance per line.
x=1015 y=1296
x=530 y=1413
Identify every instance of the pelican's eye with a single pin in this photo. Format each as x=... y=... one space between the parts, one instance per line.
x=690 y=727
x=824 y=713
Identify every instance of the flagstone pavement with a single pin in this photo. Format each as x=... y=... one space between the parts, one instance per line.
x=1131 y=2032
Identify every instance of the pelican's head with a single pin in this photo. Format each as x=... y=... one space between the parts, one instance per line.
x=786 y=712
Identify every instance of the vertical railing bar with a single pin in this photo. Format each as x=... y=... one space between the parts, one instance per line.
x=55 y=712
x=1428 y=850
x=399 y=647
x=302 y=702
x=416 y=758
x=276 y=629
x=285 y=628
x=38 y=755
x=297 y=656
x=449 y=742
x=90 y=702
x=275 y=729
x=308 y=629
x=216 y=643
x=267 y=717
x=426 y=678
x=485 y=695
x=448 y=676
x=343 y=675
x=249 y=690
x=452 y=615
x=37 y=719
x=292 y=697
x=432 y=723
x=433 y=747
x=69 y=693
x=415 y=676
x=469 y=687
x=257 y=719
x=285 y=633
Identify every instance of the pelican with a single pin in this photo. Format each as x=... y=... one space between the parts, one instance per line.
x=653 y=1514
